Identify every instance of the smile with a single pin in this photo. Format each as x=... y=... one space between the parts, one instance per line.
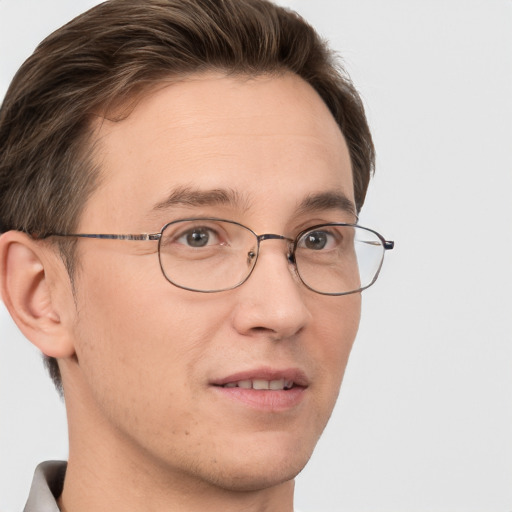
x=264 y=389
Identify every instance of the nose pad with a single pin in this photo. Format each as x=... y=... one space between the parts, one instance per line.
x=251 y=255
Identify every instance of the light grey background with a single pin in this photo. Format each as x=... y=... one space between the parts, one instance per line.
x=424 y=420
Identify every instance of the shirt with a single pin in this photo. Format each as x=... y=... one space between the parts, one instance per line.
x=46 y=487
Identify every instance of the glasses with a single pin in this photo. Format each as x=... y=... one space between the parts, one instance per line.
x=214 y=255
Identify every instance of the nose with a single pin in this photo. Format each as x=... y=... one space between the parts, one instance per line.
x=271 y=303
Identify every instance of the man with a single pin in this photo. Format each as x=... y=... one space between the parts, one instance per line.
x=180 y=182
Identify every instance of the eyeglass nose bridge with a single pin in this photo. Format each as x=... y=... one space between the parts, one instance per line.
x=272 y=236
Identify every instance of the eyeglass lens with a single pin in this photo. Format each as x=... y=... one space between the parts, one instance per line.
x=214 y=255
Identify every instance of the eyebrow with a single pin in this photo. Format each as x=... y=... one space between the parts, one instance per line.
x=324 y=201
x=191 y=197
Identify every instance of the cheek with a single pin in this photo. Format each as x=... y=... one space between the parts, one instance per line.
x=137 y=334
x=339 y=325
x=335 y=335
x=141 y=331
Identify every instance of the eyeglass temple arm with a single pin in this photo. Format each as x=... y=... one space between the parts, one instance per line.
x=387 y=244
x=144 y=236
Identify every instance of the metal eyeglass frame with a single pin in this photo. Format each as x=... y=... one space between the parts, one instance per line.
x=292 y=246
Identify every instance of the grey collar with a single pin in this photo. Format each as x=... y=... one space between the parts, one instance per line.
x=46 y=487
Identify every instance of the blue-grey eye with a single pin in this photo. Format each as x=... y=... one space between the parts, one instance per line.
x=315 y=240
x=197 y=237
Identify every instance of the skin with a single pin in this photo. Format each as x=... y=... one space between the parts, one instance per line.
x=148 y=430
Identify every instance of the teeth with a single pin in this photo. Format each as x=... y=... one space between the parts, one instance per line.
x=274 y=385
x=288 y=384
x=260 y=384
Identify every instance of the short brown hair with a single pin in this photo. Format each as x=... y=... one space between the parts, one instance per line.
x=119 y=48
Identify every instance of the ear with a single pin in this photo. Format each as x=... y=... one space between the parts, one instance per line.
x=31 y=285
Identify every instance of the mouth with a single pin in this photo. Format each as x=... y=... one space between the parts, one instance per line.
x=265 y=379
x=265 y=389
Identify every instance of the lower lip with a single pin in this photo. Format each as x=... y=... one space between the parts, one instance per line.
x=265 y=400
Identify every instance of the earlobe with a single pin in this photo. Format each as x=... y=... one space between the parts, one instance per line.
x=25 y=275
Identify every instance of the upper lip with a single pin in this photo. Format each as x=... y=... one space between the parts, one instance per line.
x=296 y=375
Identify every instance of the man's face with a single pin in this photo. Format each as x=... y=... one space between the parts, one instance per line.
x=154 y=358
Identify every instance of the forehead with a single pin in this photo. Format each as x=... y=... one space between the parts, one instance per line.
x=269 y=140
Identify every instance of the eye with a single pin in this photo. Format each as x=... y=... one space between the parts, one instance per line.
x=198 y=237
x=317 y=240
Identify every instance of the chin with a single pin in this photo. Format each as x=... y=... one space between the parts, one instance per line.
x=254 y=470
x=249 y=479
